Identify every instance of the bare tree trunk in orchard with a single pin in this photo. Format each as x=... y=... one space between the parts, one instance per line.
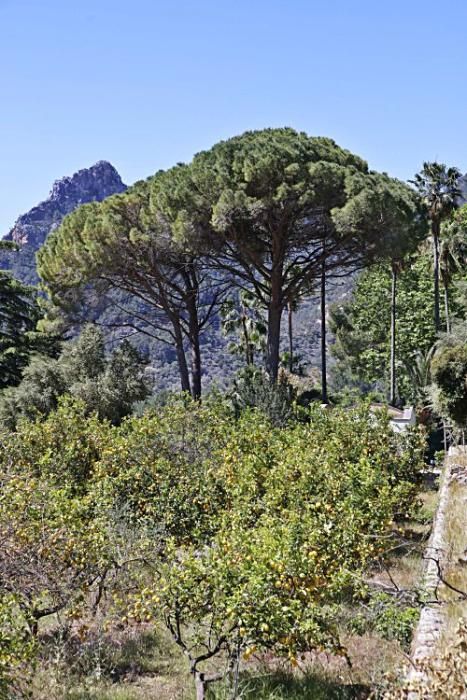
x=392 y=389
x=290 y=320
x=435 y=229
x=274 y=325
x=200 y=685
x=324 y=380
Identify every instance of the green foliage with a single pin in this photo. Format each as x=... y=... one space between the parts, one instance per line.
x=393 y=622
x=123 y=247
x=450 y=377
x=439 y=188
x=19 y=314
x=388 y=617
x=254 y=211
x=108 y=386
x=56 y=546
x=17 y=648
x=289 y=686
x=252 y=388
x=238 y=535
x=361 y=326
x=245 y=321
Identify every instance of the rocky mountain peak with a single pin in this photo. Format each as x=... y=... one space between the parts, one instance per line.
x=94 y=183
x=31 y=229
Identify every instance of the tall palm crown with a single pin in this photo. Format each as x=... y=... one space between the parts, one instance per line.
x=439 y=188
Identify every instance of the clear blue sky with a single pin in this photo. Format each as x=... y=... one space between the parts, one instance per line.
x=147 y=83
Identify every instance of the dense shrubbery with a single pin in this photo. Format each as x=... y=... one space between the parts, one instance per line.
x=236 y=534
x=107 y=385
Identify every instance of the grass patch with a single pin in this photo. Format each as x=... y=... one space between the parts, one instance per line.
x=287 y=686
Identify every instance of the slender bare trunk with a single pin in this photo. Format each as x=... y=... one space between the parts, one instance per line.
x=446 y=306
x=392 y=391
x=324 y=380
x=290 y=320
x=435 y=229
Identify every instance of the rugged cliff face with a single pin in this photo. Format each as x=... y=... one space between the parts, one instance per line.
x=31 y=229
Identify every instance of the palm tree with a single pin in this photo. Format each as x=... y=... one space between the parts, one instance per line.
x=439 y=188
x=419 y=370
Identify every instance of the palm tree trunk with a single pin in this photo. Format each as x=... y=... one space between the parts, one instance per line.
x=392 y=390
x=324 y=381
x=435 y=229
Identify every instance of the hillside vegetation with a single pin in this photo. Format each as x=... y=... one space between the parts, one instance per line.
x=258 y=539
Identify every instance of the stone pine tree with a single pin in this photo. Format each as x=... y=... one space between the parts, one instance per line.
x=439 y=188
x=263 y=202
x=124 y=246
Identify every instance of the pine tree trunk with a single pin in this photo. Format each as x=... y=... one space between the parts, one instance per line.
x=181 y=359
x=290 y=320
x=324 y=380
x=274 y=326
x=392 y=391
x=193 y=325
x=195 y=367
x=274 y=331
x=435 y=229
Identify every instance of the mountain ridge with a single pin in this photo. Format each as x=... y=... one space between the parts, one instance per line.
x=86 y=185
